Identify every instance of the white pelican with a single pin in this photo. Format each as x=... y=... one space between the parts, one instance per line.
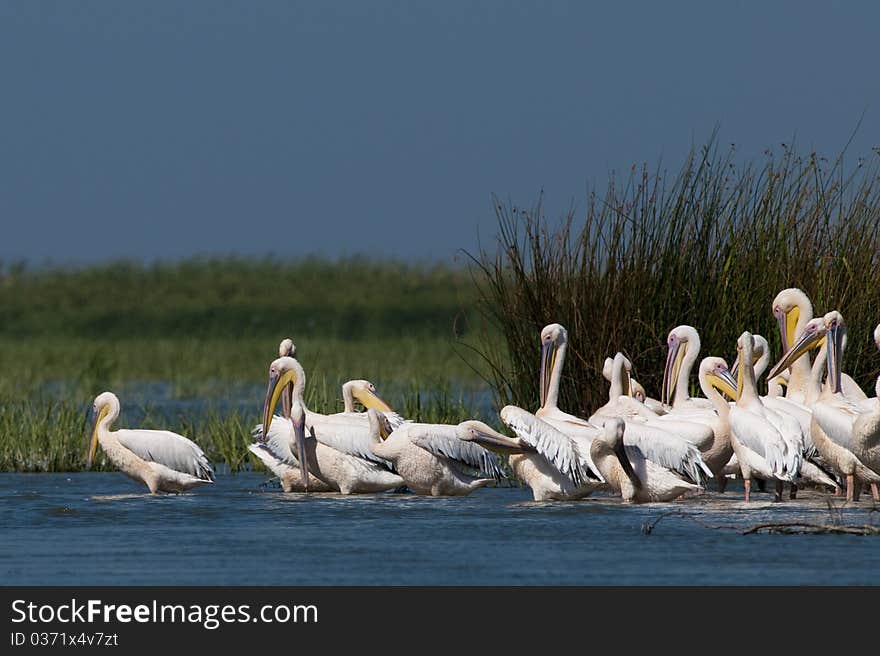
x=161 y=460
x=290 y=475
x=550 y=462
x=360 y=390
x=636 y=388
x=431 y=458
x=714 y=376
x=765 y=444
x=335 y=449
x=658 y=444
x=284 y=463
x=684 y=349
x=621 y=404
x=793 y=310
x=787 y=406
x=834 y=416
x=628 y=472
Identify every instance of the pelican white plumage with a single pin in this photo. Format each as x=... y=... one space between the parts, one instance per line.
x=764 y=442
x=552 y=463
x=658 y=444
x=335 y=449
x=841 y=445
x=284 y=463
x=629 y=473
x=683 y=343
x=799 y=411
x=621 y=404
x=636 y=388
x=161 y=460
x=431 y=458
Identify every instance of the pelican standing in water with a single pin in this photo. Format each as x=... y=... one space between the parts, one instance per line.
x=763 y=441
x=628 y=472
x=553 y=464
x=841 y=428
x=658 y=444
x=161 y=460
x=335 y=449
x=274 y=451
x=431 y=458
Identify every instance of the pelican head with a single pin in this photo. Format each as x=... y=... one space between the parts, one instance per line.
x=365 y=392
x=627 y=373
x=285 y=375
x=287 y=347
x=788 y=306
x=679 y=340
x=607 y=368
x=106 y=403
x=379 y=425
x=612 y=434
x=719 y=376
x=812 y=336
x=836 y=336
x=761 y=348
x=487 y=437
x=553 y=337
x=638 y=392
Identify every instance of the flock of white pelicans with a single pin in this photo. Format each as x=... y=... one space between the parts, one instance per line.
x=814 y=428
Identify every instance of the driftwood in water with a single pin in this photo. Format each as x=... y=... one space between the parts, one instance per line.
x=835 y=527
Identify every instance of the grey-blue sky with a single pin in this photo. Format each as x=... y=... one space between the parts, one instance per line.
x=162 y=129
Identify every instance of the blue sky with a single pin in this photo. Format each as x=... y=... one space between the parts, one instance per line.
x=165 y=129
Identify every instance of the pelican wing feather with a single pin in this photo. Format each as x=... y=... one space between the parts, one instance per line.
x=169 y=449
x=560 y=450
x=468 y=453
x=667 y=450
x=758 y=434
x=837 y=420
x=279 y=440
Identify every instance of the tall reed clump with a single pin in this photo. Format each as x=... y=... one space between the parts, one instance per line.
x=710 y=247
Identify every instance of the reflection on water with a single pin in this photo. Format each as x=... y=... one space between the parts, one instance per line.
x=98 y=528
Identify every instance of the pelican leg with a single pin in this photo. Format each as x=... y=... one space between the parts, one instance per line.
x=778 y=497
x=747 y=484
x=792 y=491
x=850 y=484
x=875 y=492
x=837 y=491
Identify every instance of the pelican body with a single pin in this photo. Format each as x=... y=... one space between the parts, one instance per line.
x=845 y=432
x=431 y=458
x=334 y=449
x=628 y=472
x=161 y=460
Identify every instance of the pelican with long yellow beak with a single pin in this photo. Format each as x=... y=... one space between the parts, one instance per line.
x=844 y=431
x=793 y=310
x=658 y=444
x=683 y=343
x=335 y=449
x=161 y=460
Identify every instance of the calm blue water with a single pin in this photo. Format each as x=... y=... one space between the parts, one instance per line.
x=99 y=528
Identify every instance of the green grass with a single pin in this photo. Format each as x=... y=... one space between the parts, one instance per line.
x=206 y=330
x=710 y=247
